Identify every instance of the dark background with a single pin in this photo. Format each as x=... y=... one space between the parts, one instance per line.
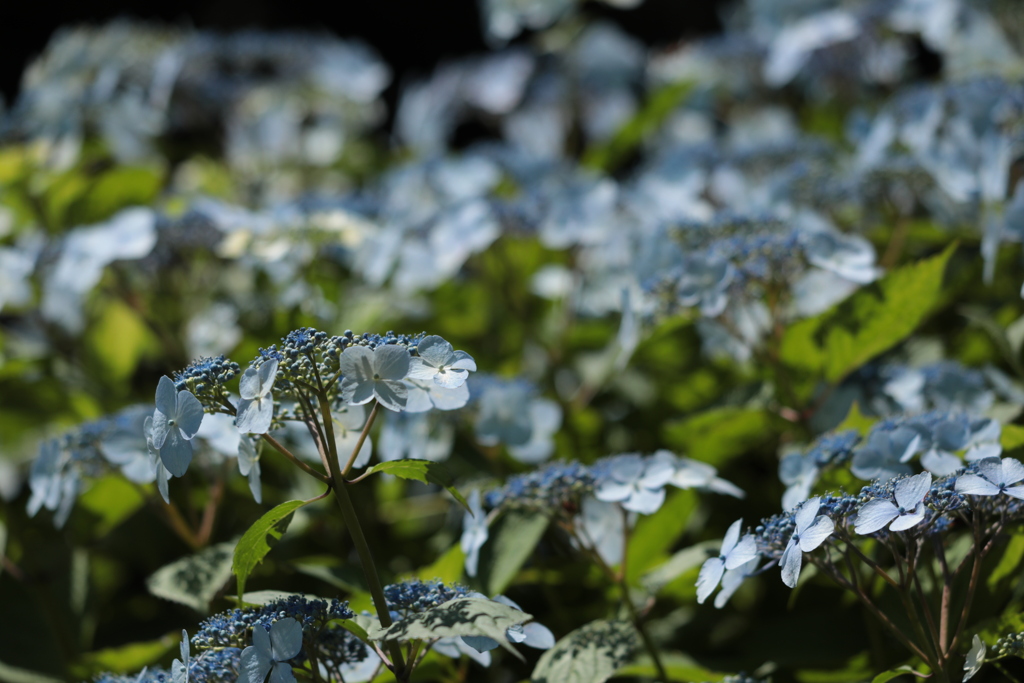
x=411 y=35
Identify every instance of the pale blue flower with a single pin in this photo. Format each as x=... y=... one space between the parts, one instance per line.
x=376 y=373
x=156 y=462
x=176 y=420
x=439 y=362
x=546 y=420
x=693 y=474
x=811 y=531
x=885 y=454
x=256 y=409
x=504 y=416
x=425 y=395
x=416 y=435
x=975 y=658
x=735 y=552
x=603 y=527
x=734 y=578
x=994 y=476
x=906 y=512
x=474 y=532
x=270 y=652
x=636 y=483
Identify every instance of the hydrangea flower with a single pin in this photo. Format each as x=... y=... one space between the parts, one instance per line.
x=256 y=409
x=376 y=373
x=603 y=525
x=270 y=652
x=439 y=362
x=734 y=553
x=690 y=474
x=885 y=454
x=249 y=466
x=975 y=658
x=634 y=482
x=176 y=420
x=811 y=531
x=733 y=579
x=907 y=512
x=994 y=477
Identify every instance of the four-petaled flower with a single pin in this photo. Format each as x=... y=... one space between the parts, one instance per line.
x=735 y=552
x=907 y=512
x=176 y=420
x=637 y=483
x=439 y=362
x=995 y=478
x=249 y=466
x=256 y=409
x=375 y=374
x=975 y=658
x=811 y=531
x=270 y=652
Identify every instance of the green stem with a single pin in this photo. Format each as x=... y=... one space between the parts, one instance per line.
x=279 y=447
x=348 y=513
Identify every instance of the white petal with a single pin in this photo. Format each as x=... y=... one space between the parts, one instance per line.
x=874 y=515
x=166 y=396
x=905 y=521
x=707 y=580
x=391 y=362
x=286 y=638
x=267 y=375
x=792 y=557
x=356 y=364
x=973 y=485
x=814 y=536
x=249 y=384
x=743 y=552
x=391 y=394
x=806 y=514
x=419 y=369
x=645 y=501
x=912 y=490
x=732 y=535
x=254 y=417
x=1013 y=471
x=538 y=636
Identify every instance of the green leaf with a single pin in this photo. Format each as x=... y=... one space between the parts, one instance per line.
x=592 y=653
x=512 y=538
x=194 y=580
x=11 y=674
x=354 y=628
x=677 y=565
x=119 y=339
x=608 y=155
x=1012 y=437
x=459 y=617
x=253 y=546
x=447 y=568
x=125 y=659
x=117 y=189
x=655 y=534
x=873 y=320
x=331 y=570
x=721 y=433
x=857 y=421
x=678 y=666
x=904 y=670
x=1009 y=563
x=265 y=597
x=113 y=499
x=421 y=470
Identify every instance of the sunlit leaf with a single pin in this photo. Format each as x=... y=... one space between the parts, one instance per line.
x=194 y=580
x=592 y=653
x=424 y=471
x=253 y=545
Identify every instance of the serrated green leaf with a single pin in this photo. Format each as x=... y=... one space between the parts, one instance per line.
x=194 y=580
x=591 y=654
x=512 y=538
x=459 y=617
x=253 y=546
x=1012 y=437
x=424 y=471
x=904 y=670
x=654 y=535
x=873 y=320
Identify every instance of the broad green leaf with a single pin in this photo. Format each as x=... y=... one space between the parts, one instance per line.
x=608 y=155
x=11 y=674
x=716 y=435
x=354 y=628
x=113 y=499
x=194 y=580
x=119 y=339
x=447 y=568
x=126 y=658
x=904 y=670
x=678 y=666
x=857 y=421
x=421 y=470
x=253 y=546
x=459 y=617
x=513 y=536
x=1009 y=563
x=331 y=570
x=1012 y=437
x=873 y=320
x=116 y=189
x=591 y=654
x=680 y=563
x=655 y=534
x=265 y=597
